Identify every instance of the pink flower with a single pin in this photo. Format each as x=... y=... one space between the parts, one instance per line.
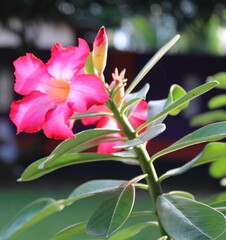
x=137 y=118
x=54 y=91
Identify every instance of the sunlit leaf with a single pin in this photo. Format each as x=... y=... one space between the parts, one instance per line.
x=182 y=194
x=180 y=102
x=217 y=101
x=71 y=231
x=162 y=51
x=176 y=92
x=29 y=216
x=183 y=218
x=33 y=171
x=213 y=152
x=221 y=78
x=218 y=168
x=211 y=132
x=149 y=134
x=208 y=117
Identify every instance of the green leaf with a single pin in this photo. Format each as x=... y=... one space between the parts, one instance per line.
x=155 y=107
x=220 y=206
x=213 y=152
x=176 y=92
x=71 y=231
x=79 y=143
x=180 y=102
x=30 y=215
x=211 y=132
x=113 y=212
x=90 y=114
x=33 y=171
x=183 y=218
x=219 y=77
x=182 y=194
x=217 y=101
x=143 y=137
x=89 y=69
x=208 y=117
x=162 y=51
x=218 y=168
x=131 y=231
x=93 y=187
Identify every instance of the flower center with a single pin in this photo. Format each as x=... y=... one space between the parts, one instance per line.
x=58 y=90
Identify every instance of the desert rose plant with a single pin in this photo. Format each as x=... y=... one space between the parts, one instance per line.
x=72 y=86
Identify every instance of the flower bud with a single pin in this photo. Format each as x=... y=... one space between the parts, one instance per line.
x=100 y=47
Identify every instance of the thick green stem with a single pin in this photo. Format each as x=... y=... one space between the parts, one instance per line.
x=143 y=157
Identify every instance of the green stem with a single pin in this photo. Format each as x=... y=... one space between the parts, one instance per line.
x=147 y=167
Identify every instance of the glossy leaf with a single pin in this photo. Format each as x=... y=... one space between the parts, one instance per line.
x=113 y=212
x=208 y=117
x=150 y=64
x=30 y=215
x=213 y=152
x=131 y=231
x=149 y=134
x=183 y=218
x=217 y=101
x=77 y=144
x=71 y=231
x=221 y=78
x=93 y=187
x=176 y=92
x=33 y=171
x=180 y=102
x=155 y=107
x=211 y=132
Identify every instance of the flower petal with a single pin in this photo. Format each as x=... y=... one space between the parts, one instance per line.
x=30 y=73
x=109 y=123
x=86 y=90
x=139 y=115
x=57 y=125
x=93 y=120
x=28 y=114
x=65 y=63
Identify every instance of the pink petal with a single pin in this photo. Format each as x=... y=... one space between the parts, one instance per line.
x=94 y=120
x=57 y=125
x=86 y=90
x=65 y=63
x=139 y=115
x=109 y=123
x=28 y=114
x=30 y=73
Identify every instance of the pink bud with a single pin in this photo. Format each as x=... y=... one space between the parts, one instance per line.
x=100 y=47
